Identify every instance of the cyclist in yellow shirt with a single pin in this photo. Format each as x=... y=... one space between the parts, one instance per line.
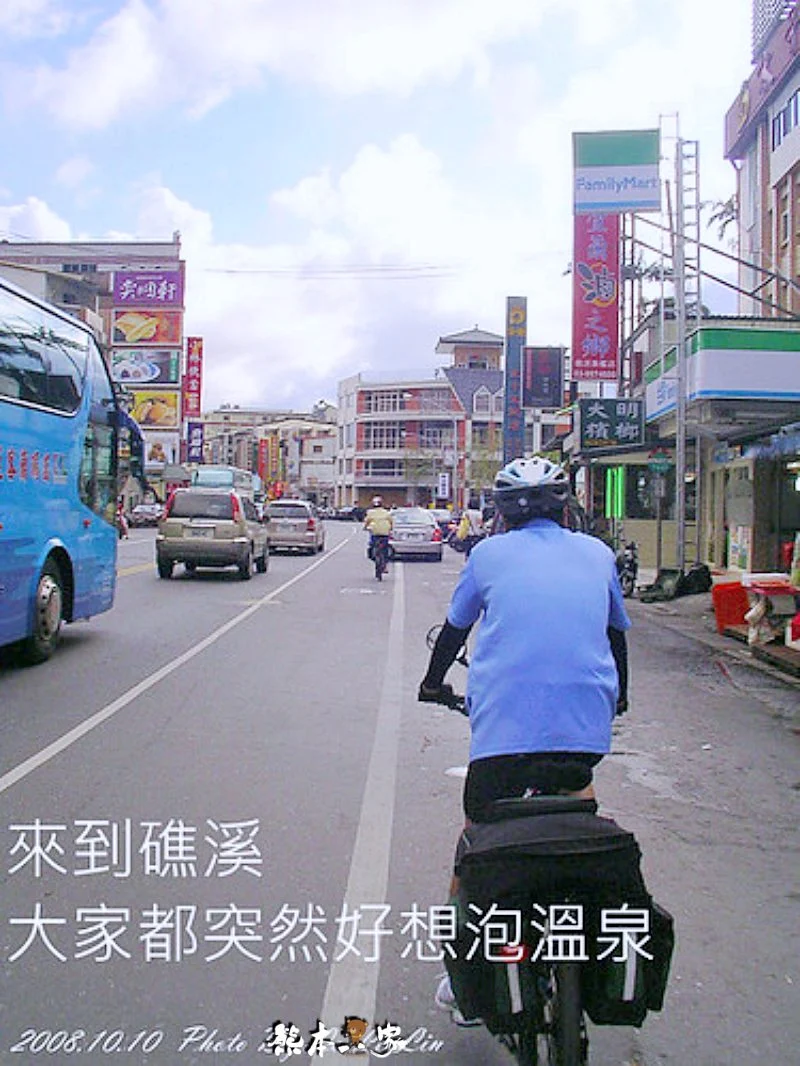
x=378 y=521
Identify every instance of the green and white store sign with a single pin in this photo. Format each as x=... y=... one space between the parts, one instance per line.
x=728 y=364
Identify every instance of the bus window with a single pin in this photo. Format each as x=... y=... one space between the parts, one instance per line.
x=40 y=365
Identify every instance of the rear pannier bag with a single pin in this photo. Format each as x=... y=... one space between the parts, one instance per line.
x=528 y=863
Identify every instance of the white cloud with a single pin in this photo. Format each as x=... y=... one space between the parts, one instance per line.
x=115 y=73
x=73 y=172
x=32 y=18
x=195 y=53
x=33 y=220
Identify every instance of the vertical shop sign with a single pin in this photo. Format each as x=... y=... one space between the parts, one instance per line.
x=193 y=377
x=513 y=421
x=595 y=298
x=542 y=377
x=195 y=437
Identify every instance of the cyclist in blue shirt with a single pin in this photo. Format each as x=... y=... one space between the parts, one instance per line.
x=548 y=672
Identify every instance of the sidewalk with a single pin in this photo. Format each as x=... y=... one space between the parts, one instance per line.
x=694 y=616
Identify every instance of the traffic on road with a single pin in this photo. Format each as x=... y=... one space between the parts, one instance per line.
x=228 y=823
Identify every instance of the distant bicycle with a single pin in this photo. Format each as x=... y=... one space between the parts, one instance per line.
x=380 y=553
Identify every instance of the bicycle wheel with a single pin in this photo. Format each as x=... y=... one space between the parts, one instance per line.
x=526 y=1046
x=566 y=1040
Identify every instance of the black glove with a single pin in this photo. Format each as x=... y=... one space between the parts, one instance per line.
x=622 y=705
x=444 y=694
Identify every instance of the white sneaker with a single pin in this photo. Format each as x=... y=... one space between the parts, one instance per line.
x=446 y=1000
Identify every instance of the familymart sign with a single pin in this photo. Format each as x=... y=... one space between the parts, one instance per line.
x=616 y=172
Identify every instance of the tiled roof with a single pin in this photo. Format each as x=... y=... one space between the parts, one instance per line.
x=466 y=382
x=473 y=336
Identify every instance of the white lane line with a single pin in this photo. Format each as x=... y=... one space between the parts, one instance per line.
x=353 y=983
x=64 y=742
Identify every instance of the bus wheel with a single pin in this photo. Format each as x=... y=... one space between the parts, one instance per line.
x=47 y=617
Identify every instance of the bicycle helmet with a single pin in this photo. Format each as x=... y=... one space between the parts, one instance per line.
x=531 y=488
x=377 y=501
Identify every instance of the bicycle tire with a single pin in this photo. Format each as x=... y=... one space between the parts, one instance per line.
x=380 y=563
x=526 y=1046
x=566 y=1042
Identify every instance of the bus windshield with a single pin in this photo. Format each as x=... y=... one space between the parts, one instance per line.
x=225 y=477
x=59 y=426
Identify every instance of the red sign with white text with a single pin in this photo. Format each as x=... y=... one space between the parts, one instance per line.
x=193 y=377
x=595 y=298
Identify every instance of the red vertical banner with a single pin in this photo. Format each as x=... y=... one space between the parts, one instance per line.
x=595 y=298
x=193 y=378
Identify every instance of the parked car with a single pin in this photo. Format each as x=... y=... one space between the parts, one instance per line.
x=145 y=514
x=295 y=524
x=415 y=533
x=211 y=527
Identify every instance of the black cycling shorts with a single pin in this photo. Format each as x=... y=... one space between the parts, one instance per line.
x=537 y=773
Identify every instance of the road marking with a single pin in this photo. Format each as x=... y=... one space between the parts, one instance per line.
x=124 y=571
x=68 y=739
x=353 y=983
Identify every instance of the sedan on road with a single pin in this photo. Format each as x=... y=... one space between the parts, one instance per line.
x=295 y=524
x=415 y=534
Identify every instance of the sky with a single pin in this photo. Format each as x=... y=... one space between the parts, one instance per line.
x=351 y=179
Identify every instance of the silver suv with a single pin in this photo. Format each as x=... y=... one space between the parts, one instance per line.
x=295 y=524
x=211 y=527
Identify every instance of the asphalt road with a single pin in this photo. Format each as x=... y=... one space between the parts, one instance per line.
x=221 y=808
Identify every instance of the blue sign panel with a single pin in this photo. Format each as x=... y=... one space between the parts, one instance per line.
x=513 y=420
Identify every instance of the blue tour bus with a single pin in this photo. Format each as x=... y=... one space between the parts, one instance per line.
x=58 y=474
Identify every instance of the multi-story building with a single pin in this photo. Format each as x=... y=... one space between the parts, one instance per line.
x=410 y=440
x=436 y=440
x=762 y=140
x=138 y=290
x=293 y=453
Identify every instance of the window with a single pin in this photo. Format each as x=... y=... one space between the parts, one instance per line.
x=482 y=402
x=436 y=400
x=499 y=400
x=42 y=359
x=380 y=436
x=379 y=402
x=97 y=482
x=387 y=468
x=435 y=435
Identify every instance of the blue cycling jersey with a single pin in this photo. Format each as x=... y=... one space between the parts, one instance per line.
x=542 y=676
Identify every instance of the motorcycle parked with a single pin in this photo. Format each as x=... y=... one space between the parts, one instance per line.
x=628 y=567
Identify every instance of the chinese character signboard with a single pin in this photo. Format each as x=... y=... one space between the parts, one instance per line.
x=193 y=378
x=156 y=288
x=611 y=424
x=195 y=434
x=542 y=377
x=513 y=420
x=616 y=172
x=595 y=298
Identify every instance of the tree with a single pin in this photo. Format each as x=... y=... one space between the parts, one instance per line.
x=419 y=468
